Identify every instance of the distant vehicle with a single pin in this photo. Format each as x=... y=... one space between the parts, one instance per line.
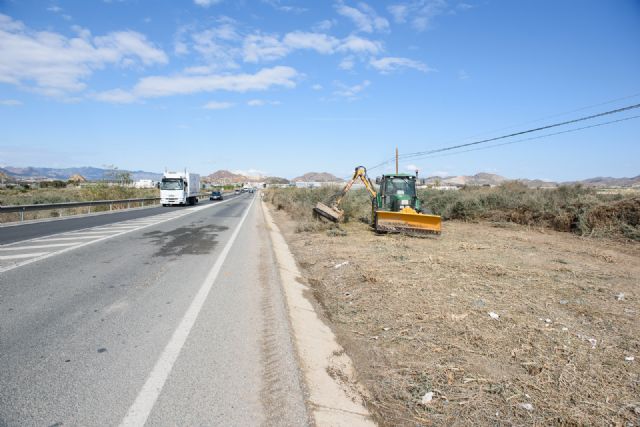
x=237 y=191
x=252 y=190
x=179 y=188
x=215 y=195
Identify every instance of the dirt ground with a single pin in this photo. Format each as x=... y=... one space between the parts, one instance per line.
x=415 y=314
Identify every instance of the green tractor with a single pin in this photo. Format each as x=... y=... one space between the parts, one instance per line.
x=394 y=208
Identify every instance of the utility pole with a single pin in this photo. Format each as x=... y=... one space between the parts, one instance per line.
x=396 y=160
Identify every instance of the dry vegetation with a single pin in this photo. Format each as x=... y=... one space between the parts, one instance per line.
x=576 y=209
x=71 y=193
x=413 y=313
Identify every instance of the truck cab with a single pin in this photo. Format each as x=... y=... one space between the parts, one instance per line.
x=179 y=188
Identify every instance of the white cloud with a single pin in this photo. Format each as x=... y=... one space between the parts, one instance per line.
x=399 y=12
x=325 y=25
x=351 y=92
x=217 y=45
x=364 y=17
x=215 y=105
x=206 y=3
x=463 y=75
x=10 y=102
x=412 y=168
x=360 y=45
x=419 y=13
x=389 y=64
x=319 y=42
x=277 y=4
x=54 y=9
x=347 y=63
x=57 y=65
x=261 y=102
x=264 y=79
x=259 y=47
x=115 y=96
x=317 y=87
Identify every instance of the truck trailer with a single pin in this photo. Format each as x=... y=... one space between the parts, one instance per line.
x=179 y=188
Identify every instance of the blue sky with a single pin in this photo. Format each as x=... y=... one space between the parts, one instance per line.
x=287 y=87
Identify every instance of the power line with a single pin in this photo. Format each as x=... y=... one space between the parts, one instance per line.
x=581 y=119
x=587 y=107
x=534 y=137
x=483 y=141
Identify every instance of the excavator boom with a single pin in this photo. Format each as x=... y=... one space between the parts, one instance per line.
x=333 y=212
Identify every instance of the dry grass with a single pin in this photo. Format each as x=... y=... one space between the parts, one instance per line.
x=574 y=209
x=70 y=194
x=413 y=314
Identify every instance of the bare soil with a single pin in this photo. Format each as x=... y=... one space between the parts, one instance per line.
x=414 y=314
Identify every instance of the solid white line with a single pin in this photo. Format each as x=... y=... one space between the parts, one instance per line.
x=22 y=248
x=19 y=256
x=141 y=408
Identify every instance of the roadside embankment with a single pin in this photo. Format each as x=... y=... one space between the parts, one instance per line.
x=490 y=323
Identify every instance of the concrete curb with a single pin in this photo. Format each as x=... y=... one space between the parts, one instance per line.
x=334 y=397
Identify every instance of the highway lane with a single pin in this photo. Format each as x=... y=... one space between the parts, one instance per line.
x=82 y=332
x=15 y=233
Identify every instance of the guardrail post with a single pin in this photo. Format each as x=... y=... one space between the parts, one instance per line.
x=22 y=215
x=128 y=205
x=110 y=207
x=89 y=211
x=142 y=204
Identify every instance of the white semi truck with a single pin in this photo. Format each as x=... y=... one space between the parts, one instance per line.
x=179 y=188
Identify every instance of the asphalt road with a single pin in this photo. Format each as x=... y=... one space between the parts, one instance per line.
x=178 y=323
x=16 y=233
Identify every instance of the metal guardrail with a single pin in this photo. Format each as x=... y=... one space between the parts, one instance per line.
x=22 y=209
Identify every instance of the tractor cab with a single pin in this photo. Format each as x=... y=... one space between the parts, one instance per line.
x=398 y=192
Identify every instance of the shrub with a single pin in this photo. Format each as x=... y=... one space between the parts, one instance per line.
x=568 y=208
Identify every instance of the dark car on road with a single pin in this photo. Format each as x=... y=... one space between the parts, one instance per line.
x=215 y=195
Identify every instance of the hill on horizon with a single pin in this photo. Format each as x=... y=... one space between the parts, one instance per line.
x=64 y=174
x=317 y=177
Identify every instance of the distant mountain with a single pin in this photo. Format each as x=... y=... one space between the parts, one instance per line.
x=225 y=177
x=609 y=182
x=317 y=177
x=89 y=173
x=276 y=180
x=492 y=179
x=477 y=179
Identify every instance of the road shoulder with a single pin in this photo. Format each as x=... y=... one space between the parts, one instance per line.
x=334 y=394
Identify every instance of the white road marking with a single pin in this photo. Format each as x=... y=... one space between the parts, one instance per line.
x=85 y=233
x=21 y=256
x=116 y=227
x=22 y=248
x=141 y=408
x=160 y=219
x=53 y=239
